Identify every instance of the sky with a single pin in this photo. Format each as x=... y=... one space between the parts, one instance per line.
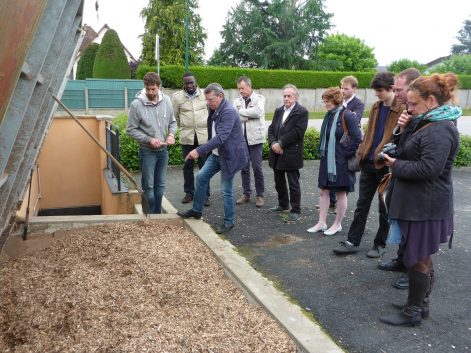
x=421 y=30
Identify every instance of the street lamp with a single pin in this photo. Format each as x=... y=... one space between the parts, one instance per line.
x=187 y=21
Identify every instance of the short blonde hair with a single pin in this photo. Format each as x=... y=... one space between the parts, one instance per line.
x=352 y=80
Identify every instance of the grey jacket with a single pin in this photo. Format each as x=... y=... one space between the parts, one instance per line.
x=146 y=120
x=252 y=117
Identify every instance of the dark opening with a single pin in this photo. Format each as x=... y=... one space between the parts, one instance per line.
x=71 y=211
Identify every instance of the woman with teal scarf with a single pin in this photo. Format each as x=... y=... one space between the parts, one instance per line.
x=420 y=197
x=333 y=170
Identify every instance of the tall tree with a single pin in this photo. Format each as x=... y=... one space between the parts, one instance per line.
x=340 y=52
x=85 y=64
x=464 y=37
x=459 y=64
x=167 y=19
x=272 y=34
x=402 y=64
x=110 y=60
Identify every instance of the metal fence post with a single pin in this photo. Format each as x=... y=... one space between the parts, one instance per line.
x=86 y=99
x=126 y=99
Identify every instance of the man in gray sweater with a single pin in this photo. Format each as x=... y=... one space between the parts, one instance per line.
x=152 y=124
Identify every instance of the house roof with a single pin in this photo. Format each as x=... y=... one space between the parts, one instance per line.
x=88 y=39
x=437 y=61
x=91 y=35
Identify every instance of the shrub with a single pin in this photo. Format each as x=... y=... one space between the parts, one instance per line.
x=85 y=64
x=110 y=60
x=402 y=64
x=128 y=147
x=130 y=159
x=463 y=157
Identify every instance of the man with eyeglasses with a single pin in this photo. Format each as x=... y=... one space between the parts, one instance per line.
x=402 y=82
x=227 y=154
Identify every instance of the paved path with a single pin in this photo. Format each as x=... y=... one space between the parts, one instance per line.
x=346 y=295
x=464 y=124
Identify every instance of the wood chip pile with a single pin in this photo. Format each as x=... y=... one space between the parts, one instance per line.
x=129 y=287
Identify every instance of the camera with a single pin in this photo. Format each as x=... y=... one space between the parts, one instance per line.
x=389 y=149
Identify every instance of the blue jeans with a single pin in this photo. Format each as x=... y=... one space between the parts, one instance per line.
x=154 y=173
x=210 y=168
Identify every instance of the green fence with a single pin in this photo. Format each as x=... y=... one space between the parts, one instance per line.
x=101 y=94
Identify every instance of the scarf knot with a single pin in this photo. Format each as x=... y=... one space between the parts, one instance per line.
x=443 y=112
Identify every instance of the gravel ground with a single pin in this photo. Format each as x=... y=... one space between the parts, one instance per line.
x=128 y=287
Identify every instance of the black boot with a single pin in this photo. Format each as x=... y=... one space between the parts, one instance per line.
x=426 y=303
x=425 y=308
x=411 y=314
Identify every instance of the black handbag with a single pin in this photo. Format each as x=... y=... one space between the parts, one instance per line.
x=353 y=162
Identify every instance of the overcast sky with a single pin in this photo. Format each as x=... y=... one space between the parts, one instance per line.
x=415 y=29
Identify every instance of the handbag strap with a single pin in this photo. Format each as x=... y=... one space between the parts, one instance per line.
x=344 y=124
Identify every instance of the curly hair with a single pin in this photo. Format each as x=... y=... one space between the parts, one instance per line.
x=333 y=95
x=151 y=79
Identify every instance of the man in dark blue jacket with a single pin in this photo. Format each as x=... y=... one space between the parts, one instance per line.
x=228 y=154
x=349 y=86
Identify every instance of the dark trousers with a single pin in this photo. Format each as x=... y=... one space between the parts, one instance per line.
x=188 y=169
x=333 y=198
x=255 y=157
x=294 y=198
x=370 y=178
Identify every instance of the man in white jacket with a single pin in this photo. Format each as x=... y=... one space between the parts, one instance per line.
x=191 y=113
x=251 y=108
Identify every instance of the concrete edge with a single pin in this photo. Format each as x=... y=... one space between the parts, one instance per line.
x=50 y=224
x=308 y=336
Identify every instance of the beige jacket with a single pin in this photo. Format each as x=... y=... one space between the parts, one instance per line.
x=252 y=117
x=191 y=116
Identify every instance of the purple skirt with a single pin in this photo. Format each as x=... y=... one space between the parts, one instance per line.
x=423 y=238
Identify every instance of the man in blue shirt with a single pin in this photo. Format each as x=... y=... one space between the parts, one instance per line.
x=383 y=118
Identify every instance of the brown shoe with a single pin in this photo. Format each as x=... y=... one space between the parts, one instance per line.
x=188 y=198
x=207 y=203
x=259 y=202
x=243 y=200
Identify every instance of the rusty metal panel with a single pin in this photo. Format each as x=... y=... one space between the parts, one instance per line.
x=18 y=23
x=49 y=49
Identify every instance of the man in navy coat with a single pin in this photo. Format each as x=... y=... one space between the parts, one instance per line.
x=227 y=153
x=349 y=86
x=286 y=141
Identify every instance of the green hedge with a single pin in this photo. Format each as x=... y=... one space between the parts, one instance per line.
x=227 y=76
x=463 y=158
x=129 y=148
